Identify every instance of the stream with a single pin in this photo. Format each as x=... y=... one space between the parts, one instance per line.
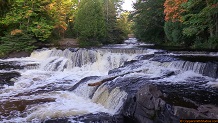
x=51 y=85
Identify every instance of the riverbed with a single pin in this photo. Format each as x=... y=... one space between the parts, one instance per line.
x=52 y=84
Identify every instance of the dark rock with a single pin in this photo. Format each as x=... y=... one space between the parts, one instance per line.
x=150 y=102
x=10 y=65
x=89 y=118
x=133 y=64
x=129 y=62
x=73 y=49
x=6 y=78
x=8 y=108
x=84 y=80
x=198 y=58
x=115 y=70
x=148 y=107
x=18 y=54
x=145 y=57
x=211 y=69
x=161 y=52
x=164 y=58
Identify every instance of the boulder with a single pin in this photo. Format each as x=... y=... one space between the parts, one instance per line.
x=157 y=103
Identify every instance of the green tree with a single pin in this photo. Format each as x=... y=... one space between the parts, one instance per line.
x=110 y=21
x=71 y=32
x=201 y=20
x=90 y=21
x=32 y=19
x=5 y=6
x=114 y=32
x=125 y=24
x=173 y=31
x=149 y=20
x=200 y=15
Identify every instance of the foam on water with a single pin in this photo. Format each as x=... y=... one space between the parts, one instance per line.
x=66 y=104
x=49 y=73
x=53 y=73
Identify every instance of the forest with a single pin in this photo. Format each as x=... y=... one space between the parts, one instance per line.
x=27 y=24
x=188 y=23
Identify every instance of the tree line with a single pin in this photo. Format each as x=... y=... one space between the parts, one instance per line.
x=191 y=23
x=27 y=24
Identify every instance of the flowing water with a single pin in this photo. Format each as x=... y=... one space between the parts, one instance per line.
x=41 y=91
x=37 y=88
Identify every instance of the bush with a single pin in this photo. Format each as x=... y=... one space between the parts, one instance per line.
x=173 y=31
x=17 y=42
x=84 y=43
x=211 y=43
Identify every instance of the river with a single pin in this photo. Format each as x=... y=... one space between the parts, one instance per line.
x=53 y=83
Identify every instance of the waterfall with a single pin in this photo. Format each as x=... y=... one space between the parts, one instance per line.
x=88 y=59
x=54 y=83
x=78 y=61
x=205 y=68
x=112 y=100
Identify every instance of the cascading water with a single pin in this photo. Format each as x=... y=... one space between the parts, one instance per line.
x=53 y=83
x=41 y=92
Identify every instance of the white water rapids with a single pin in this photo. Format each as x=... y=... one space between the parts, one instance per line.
x=41 y=92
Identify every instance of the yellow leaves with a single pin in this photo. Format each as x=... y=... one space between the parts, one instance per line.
x=61 y=26
x=28 y=13
x=49 y=6
x=16 y=31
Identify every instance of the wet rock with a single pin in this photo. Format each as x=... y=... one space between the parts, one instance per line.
x=10 y=65
x=18 y=54
x=89 y=118
x=145 y=57
x=7 y=77
x=152 y=102
x=11 y=108
x=164 y=58
x=211 y=69
x=198 y=58
x=126 y=64
x=116 y=70
x=84 y=80
x=73 y=49
x=151 y=105
x=148 y=107
x=129 y=62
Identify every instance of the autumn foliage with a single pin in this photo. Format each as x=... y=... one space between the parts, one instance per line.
x=173 y=10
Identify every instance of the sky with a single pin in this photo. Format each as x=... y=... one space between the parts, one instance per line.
x=127 y=5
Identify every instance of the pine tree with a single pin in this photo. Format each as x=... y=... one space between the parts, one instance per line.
x=90 y=22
